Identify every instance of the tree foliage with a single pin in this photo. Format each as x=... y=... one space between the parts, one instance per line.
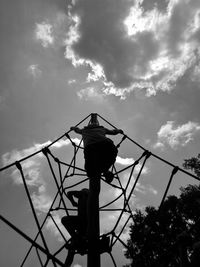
x=155 y=234
x=193 y=164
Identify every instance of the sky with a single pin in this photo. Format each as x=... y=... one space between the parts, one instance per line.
x=134 y=62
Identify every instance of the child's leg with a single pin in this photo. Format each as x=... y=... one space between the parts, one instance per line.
x=108 y=156
x=71 y=224
x=70 y=258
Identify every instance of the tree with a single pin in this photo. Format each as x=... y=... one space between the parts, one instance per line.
x=158 y=235
x=193 y=164
x=154 y=234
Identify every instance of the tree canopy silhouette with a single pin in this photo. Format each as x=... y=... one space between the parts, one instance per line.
x=158 y=236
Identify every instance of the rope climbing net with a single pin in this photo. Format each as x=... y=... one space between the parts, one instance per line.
x=72 y=175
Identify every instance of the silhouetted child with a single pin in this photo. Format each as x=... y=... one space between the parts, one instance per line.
x=76 y=225
x=99 y=151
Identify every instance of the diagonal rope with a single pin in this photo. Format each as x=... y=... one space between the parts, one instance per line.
x=19 y=167
x=174 y=171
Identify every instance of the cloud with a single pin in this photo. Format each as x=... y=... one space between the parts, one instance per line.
x=41 y=200
x=124 y=161
x=195 y=75
x=31 y=165
x=134 y=45
x=174 y=136
x=33 y=170
x=52 y=32
x=142 y=188
x=15 y=155
x=34 y=70
x=90 y=93
x=43 y=33
x=96 y=72
x=130 y=161
x=71 y=81
x=50 y=225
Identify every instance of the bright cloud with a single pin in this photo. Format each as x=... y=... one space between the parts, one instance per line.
x=137 y=21
x=129 y=161
x=124 y=161
x=174 y=136
x=16 y=155
x=43 y=33
x=52 y=32
x=148 y=45
x=96 y=73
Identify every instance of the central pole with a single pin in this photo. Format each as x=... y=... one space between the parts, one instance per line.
x=93 y=259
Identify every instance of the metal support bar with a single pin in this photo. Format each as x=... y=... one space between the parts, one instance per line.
x=93 y=259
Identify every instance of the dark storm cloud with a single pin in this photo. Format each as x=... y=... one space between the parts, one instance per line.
x=139 y=45
x=103 y=39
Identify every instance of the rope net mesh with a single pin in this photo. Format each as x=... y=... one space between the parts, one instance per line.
x=45 y=237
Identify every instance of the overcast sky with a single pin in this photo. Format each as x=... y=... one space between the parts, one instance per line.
x=134 y=62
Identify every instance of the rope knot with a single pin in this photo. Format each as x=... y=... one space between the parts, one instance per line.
x=46 y=151
x=18 y=165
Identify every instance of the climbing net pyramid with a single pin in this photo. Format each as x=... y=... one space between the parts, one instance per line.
x=70 y=175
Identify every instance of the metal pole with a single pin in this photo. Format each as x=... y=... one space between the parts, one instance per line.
x=93 y=259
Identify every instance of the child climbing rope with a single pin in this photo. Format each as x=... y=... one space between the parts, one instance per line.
x=76 y=225
x=99 y=151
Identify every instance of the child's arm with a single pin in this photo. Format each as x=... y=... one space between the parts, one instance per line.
x=76 y=130
x=114 y=132
x=71 y=195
